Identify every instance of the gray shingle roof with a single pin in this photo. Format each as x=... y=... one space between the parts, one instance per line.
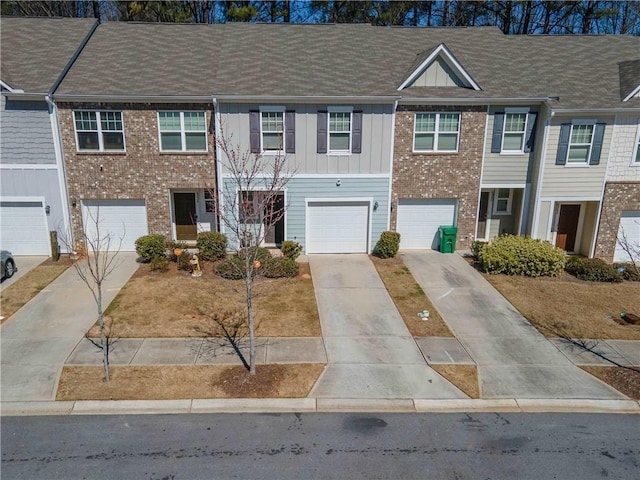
x=34 y=51
x=629 y=77
x=344 y=60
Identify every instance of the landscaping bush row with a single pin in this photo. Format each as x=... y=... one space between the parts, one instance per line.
x=593 y=270
x=262 y=263
x=211 y=246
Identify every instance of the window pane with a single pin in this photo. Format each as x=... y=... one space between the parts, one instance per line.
x=112 y=141
x=425 y=122
x=449 y=122
x=339 y=141
x=512 y=141
x=169 y=120
x=638 y=153
x=88 y=141
x=424 y=141
x=578 y=154
x=339 y=121
x=194 y=121
x=86 y=121
x=272 y=121
x=271 y=141
x=447 y=142
x=111 y=120
x=171 y=141
x=503 y=193
x=501 y=205
x=196 y=141
x=581 y=133
x=515 y=122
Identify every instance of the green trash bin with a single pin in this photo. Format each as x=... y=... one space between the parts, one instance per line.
x=448 y=235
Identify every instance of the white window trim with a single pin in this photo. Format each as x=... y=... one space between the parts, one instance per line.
x=331 y=110
x=509 y=202
x=272 y=108
x=437 y=132
x=634 y=162
x=99 y=131
x=183 y=133
x=508 y=111
x=570 y=164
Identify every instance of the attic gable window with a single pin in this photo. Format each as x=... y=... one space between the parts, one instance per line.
x=436 y=132
x=182 y=131
x=101 y=131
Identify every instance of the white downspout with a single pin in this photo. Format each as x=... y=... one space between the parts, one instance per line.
x=393 y=136
x=217 y=133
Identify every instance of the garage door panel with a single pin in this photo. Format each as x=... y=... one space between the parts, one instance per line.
x=117 y=219
x=23 y=228
x=418 y=221
x=338 y=227
x=630 y=227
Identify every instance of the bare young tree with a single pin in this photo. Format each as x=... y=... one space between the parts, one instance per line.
x=251 y=204
x=102 y=250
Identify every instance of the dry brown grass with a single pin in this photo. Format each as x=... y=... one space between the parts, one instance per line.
x=410 y=298
x=624 y=380
x=573 y=307
x=174 y=304
x=465 y=377
x=164 y=382
x=25 y=288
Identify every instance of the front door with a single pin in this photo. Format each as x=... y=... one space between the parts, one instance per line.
x=568 y=227
x=273 y=219
x=482 y=215
x=184 y=205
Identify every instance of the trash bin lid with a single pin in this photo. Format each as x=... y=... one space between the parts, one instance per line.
x=449 y=229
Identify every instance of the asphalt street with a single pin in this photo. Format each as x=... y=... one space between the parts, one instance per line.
x=310 y=446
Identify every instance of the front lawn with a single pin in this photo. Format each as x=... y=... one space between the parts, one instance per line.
x=174 y=304
x=575 y=308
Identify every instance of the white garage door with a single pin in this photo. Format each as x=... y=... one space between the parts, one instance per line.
x=418 y=221
x=337 y=227
x=121 y=219
x=23 y=227
x=630 y=227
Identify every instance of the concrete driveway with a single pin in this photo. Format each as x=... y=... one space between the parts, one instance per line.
x=38 y=338
x=24 y=263
x=514 y=360
x=370 y=351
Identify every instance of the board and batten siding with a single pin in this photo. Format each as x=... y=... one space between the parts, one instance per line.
x=300 y=189
x=500 y=169
x=26 y=133
x=377 y=121
x=569 y=180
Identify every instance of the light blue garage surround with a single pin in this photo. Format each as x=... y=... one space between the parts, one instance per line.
x=299 y=189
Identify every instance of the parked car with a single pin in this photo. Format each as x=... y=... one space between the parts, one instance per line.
x=8 y=264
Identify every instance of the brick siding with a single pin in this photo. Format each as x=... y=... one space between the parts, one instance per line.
x=142 y=172
x=618 y=196
x=441 y=175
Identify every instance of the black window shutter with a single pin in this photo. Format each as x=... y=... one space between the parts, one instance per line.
x=563 y=144
x=596 y=148
x=290 y=132
x=322 y=132
x=530 y=137
x=356 y=141
x=496 y=138
x=254 y=131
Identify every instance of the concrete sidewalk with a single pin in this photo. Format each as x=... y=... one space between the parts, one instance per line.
x=514 y=360
x=38 y=338
x=370 y=351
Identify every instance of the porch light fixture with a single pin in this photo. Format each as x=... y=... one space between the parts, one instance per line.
x=47 y=209
x=338 y=182
x=375 y=206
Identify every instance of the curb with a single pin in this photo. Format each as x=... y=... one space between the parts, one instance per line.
x=312 y=405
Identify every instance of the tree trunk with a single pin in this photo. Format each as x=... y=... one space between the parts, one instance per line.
x=104 y=341
x=252 y=336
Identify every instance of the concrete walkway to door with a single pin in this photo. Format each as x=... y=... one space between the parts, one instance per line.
x=370 y=352
x=514 y=360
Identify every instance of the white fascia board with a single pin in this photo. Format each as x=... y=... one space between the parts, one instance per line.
x=470 y=101
x=635 y=92
x=9 y=88
x=338 y=100
x=596 y=111
x=449 y=58
x=63 y=97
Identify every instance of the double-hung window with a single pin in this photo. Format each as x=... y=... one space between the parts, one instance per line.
x=436 y=132
x=209 y=201
x=514 y=133
x=339 y=131
x=272 y=130
x=101 y=131
x=580 y=143
x=502 y=203
x=182 y=131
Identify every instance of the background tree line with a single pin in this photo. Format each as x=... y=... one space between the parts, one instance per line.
x=511 y=16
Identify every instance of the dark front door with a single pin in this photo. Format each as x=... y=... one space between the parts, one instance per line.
x=568 y=227
x=274 y=221
x=186 y=218
x=482 y=215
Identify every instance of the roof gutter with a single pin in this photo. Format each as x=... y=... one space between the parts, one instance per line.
x=561 y=111
x=472 y=100
x=25 y=96
x=65 y=97
x=310 y=98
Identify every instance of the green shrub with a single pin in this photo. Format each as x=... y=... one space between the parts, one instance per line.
x=232 y=268
x=476 y=248
x=212 y=245
x=629 y=272
x=281 y=267
x=183 y=261
x=291 y=249
x=159 y=264
x=260 y=254
x=593 y=270
x=151 y=246
x=516 y=255
x=388 y=245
